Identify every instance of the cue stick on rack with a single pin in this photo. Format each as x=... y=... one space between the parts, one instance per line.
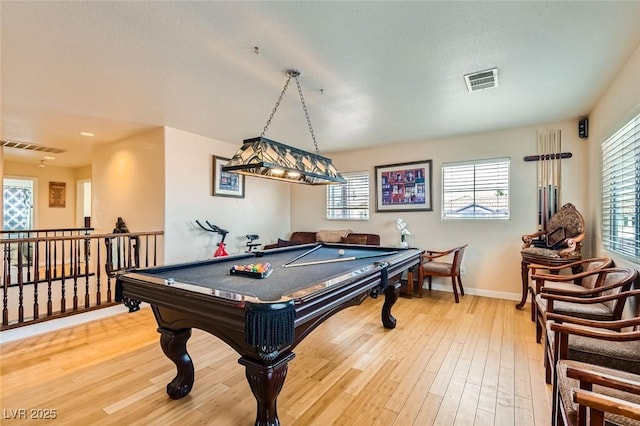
x=339 y=259
x=303 y=255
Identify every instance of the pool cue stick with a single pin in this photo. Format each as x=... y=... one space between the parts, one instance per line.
x=303 y=255
x=539 y=180
x=339 y=259
x=558 y=170
x=545 y=179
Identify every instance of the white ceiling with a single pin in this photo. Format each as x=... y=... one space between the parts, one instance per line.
x=373 y=72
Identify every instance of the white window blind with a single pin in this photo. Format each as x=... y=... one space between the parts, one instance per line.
x=476 y=189
x=621 y=191
x=349 y=201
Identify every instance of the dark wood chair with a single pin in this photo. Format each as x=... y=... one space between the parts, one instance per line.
x=598 y=358
x=596 y=396
x=558 y=245
x=565 y=283
x=605 y=301
x=563 y=277
x=429 y=268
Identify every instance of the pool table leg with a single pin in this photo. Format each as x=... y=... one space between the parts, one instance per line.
x=391 y=294
x=174 y=346
x=266 y=382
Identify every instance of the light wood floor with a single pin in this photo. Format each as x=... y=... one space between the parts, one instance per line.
x=473 y=363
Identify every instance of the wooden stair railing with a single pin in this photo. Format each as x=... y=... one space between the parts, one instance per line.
x=71 y=268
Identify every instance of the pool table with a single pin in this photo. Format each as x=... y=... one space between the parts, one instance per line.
x=263 y=319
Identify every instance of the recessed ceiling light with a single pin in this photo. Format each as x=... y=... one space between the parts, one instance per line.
x=49 y=158
x=88 y=134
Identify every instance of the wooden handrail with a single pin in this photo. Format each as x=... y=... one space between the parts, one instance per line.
x=68 y=269
x=45 y=230
x=78 y=237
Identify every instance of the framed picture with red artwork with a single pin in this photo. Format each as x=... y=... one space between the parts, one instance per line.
x=404 y=187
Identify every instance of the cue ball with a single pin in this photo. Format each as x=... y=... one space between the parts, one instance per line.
x=341 y=252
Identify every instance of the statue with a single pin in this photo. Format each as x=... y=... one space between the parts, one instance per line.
x=121 y=227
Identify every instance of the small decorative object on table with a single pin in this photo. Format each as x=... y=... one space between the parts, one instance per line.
x=256 y=270
x=402 y=226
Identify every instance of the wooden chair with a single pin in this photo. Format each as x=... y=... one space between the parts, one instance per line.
x=605 y=301
x=592 y=395
x=606 y=310
x=569 y=282
x=442 y=269
x=597 y=347
x=558 y=245
x=562 y=238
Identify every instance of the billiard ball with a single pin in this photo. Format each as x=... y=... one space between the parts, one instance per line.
x=341 y=252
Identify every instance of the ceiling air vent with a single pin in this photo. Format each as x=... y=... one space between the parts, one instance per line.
x=482 y=80
x=30 y=146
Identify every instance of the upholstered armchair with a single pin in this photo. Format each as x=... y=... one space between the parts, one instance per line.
x=607 y=354
x=557 y=245
x=430 y=268
x=588 y=394
x=562 y=238
x=549 y=277
x=604 y=359
x=604 y=302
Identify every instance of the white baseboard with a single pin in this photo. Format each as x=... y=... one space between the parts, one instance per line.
x=478 y=292
x=60 y=323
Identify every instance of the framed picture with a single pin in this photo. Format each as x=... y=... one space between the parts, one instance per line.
x=57 y=194
x=404 y=187
x=226 y=184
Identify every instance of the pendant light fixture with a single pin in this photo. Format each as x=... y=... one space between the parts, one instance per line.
x=262 y=157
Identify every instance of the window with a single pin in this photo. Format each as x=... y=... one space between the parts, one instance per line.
x=350 y=200
x=621 y=191
x=476 y=189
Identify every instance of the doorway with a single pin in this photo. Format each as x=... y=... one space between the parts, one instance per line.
x=83 y=203
x=18 y=195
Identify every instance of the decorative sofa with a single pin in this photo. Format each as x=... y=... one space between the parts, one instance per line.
x=329 y=236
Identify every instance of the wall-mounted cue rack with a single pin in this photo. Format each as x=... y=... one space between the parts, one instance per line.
x=541 y=157
x=548 y=174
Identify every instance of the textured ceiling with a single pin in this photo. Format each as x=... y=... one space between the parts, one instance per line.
x=373 y=72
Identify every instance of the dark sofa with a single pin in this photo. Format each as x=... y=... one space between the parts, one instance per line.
x=306 y=237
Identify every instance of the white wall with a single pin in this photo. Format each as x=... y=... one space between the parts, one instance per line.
x=618 y=105
x=46 y=217
x=128 y=182
x=492 y=259
x=188 y=175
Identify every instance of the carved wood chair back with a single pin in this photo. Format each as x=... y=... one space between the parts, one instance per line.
x=567 y=223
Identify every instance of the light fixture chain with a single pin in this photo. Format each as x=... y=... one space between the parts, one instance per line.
x=275 y=108
x=306 y=113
